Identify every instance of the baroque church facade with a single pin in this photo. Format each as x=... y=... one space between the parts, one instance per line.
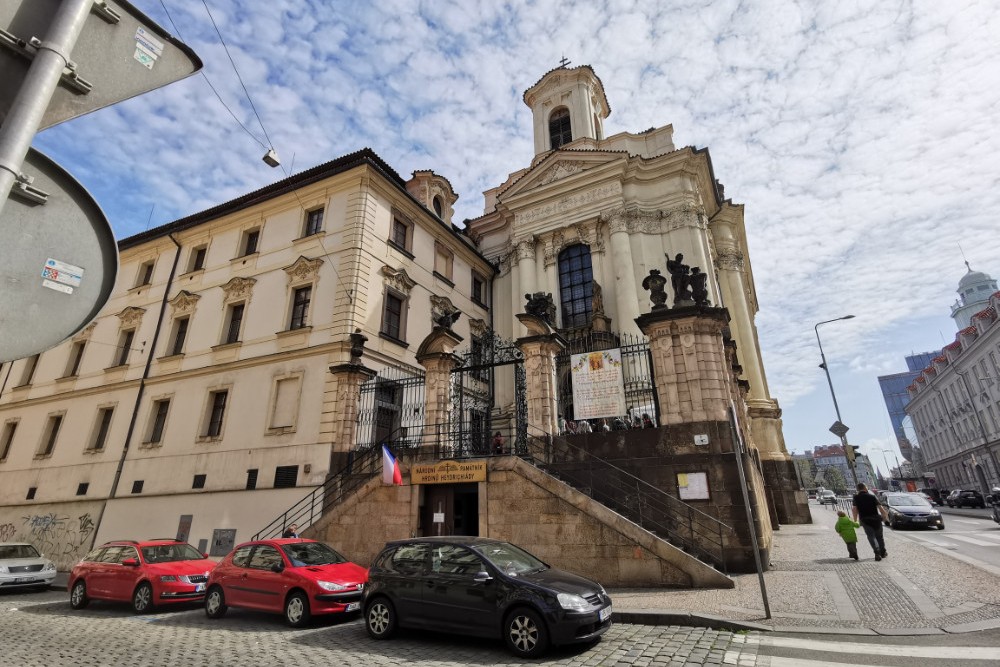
x=254 y=356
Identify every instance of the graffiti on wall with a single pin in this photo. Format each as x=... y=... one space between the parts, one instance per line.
x=63 y=538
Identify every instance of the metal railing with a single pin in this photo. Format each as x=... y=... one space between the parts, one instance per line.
x=686 y=527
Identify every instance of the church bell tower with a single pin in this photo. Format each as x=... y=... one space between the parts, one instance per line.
x=567 y=104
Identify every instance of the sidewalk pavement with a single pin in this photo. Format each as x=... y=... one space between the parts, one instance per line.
x=813 y=587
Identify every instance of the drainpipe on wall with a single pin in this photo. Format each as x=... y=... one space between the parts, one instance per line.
x=142 y=386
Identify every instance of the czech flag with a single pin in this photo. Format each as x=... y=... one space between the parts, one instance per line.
x=390 y=468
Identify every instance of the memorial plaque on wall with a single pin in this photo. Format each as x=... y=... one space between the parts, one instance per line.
x=693 y=486
x=598 y=384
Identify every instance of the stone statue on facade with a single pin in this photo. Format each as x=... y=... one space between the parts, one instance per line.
x=680 y=280
x=540 y=304
x=654 y=284
x=597 y=305
x=699 y=287
x=358 y=341
x=446 y=319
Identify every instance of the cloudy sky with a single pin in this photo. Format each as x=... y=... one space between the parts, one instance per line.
x=859 y=135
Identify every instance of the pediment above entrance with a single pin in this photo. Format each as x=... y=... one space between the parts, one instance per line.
x=564 y=168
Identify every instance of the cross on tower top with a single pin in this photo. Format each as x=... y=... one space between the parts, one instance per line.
x=563 y=62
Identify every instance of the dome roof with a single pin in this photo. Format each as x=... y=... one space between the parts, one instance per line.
x=973 y=278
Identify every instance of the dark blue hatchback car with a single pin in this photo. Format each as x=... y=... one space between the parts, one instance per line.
x=483 y=587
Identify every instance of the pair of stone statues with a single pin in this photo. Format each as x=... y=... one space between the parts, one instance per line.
x=690 y=284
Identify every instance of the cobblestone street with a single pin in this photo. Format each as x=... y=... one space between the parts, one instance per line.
x=39 y=629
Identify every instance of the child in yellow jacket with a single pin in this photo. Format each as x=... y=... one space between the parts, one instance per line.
x=846 y=529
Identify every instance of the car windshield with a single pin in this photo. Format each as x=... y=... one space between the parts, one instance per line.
x=510 y=559
x=906 y=501
x=169 y=553
x=17 y=551
x=829 y=493
x=311 y=553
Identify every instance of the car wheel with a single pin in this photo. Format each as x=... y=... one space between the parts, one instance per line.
x=215 y=603
x=142 y=598
x=941 y=527
x=78 y=595
x=525 y=633
x=380 y=619
x=297 y=609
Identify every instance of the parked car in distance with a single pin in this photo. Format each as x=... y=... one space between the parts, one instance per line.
x=911 y=509
x=965 y=498
x=296 y=577
x=146 y=573
x=827 y=498
x=482 y=587
x=21 y=566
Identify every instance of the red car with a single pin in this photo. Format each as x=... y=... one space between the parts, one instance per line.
x=295 y=577
x=147 y=573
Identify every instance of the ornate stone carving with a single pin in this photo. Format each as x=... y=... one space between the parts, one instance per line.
x=561 y=170
x=239 y=288
x=184 y=302
x=729 y=259
x=358 y=341
x=525 y=248
x=654 y=284
x=87 y=332
x=540 y=304
x=303 y=269
x=477 y=327
x=443 y=311
x=636 y=221
x=131 y=316
x=398 y=279
x=569 y=202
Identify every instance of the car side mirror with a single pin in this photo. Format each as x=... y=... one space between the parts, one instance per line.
x=277 y=568
x=482 y=577
x=204 y=555
x=130 y=562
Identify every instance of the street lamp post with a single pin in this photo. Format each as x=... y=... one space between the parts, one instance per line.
x=899 y=469
x=842 y=430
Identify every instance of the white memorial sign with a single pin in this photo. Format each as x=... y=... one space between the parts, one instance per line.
x=598 y=384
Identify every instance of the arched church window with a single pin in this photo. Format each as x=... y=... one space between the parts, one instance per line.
x=576 y=286
x=438 y=209
x=559 y=130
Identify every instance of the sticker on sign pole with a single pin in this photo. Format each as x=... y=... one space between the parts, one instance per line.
x=60 y=272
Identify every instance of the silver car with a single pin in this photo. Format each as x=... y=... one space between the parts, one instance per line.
x=21 y=566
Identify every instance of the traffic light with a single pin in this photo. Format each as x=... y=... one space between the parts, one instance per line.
x=852 y=452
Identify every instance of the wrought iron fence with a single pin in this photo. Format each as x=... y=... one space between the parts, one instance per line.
x=391 y=408
x=637 y=372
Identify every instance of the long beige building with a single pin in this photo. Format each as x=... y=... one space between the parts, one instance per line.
x=201 y=399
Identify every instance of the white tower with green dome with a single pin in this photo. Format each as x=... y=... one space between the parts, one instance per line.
x=974 y=290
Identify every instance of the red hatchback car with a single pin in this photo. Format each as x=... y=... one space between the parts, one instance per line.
x=298 y=578
x=147 y=573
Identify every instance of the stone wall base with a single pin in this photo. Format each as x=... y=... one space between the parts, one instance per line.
x=790 y=503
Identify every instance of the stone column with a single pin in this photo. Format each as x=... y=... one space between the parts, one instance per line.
x=526 y=269
x=437 y=355
x=626 y=295
x=341 y=397
x=540 y=348
x=690 y=367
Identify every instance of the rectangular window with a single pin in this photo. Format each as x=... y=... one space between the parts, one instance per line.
x=400 y=234
x=75 y=357
x=50 y=435
x=300 y=307
x=7 y=439
x=28 y=372
x=234 y=320
x=103 y=426
x=286 y=403
x=124 y=347
x=285 y=476
x=160 y=409
x=180 y=335
x=198 y=258
x=137 y=486
x=478 y=289
x=251 y=238
x=216 y=413
x=81 y=489
x=145 y=274
x=251 y=479
x=31 y=493
x=443 y=260
x=198 y=482
x=392 y=316
x=314 y=222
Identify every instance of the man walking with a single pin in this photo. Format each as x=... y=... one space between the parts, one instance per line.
x=868 y=511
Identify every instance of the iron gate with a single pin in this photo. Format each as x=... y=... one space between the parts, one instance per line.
x=637 y=364
x=476 y=419
x=391 y=408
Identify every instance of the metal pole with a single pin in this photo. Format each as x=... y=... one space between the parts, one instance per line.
x=836 y=408
x=33 y=97
x=738 y=452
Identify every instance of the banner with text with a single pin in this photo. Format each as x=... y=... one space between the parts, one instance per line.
x=598 y=384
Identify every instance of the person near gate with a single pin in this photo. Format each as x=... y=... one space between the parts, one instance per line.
x=867 y=510
x=845 y=526
x=291 y=531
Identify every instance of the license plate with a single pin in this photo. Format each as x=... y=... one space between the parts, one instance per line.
x=919 y=520
x=23 y=580
x=199 y=588
x=353 y=606
x=604 y=614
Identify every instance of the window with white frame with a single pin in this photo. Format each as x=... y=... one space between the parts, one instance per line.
x=233 y=323
x=301 y=297
x=28 y=370
x=198 y=254
x=314 y=222
x=401 y=233
x=49 y=435
x=158 y=421
x=249 y=242
x=478 y=289
x=101 y=429
x=394 y=315
x=7 y=438
x=179 y=334
x=125 y=339
x=75 y=358
x=216 y=413
x=145 y=274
